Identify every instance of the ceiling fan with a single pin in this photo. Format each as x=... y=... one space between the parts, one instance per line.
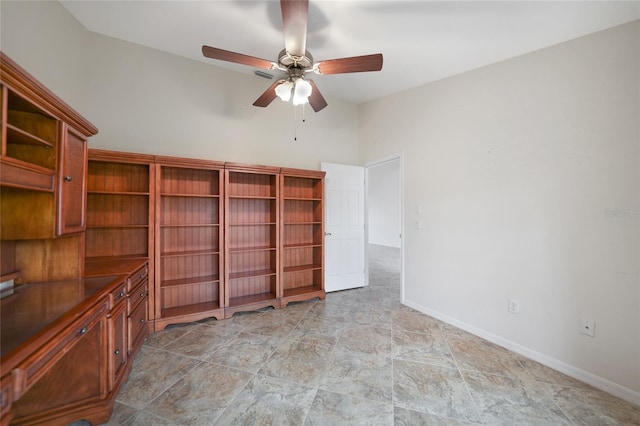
x=296 y=61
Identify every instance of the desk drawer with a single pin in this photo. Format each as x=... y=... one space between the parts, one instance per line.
x=138 y=329
x=118 y=295
x=137 y=296
x=137 y=277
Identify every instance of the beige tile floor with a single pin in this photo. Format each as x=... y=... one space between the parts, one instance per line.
x=357 y=358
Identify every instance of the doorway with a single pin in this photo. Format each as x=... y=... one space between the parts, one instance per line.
x=384 y=231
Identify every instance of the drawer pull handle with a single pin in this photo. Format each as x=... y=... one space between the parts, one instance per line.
x=142 y=294
x=141 y=320
x=121 y=294
x=83 y=330
x=68 y=178
x=117 y=352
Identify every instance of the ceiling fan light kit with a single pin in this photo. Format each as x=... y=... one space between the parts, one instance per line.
x=296 y=61
x=301 y=92
x=283 y=90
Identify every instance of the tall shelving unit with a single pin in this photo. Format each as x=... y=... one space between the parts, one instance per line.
x=189 y=241
x=302 y=235
x=251 y=237
x=119 y=207
x=120 y=219
x=220 y=237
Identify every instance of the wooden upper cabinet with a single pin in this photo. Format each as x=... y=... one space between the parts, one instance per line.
x=43 y=159
x=72 y=173
x=29 y=139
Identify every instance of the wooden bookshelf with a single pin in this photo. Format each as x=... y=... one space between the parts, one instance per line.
x=220 y=237
x=189 y=242
x=251 y=238
x=302 y=235
x=119 y=208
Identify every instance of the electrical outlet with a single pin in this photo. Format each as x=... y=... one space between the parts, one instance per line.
x=514 y=306
x=588 y=327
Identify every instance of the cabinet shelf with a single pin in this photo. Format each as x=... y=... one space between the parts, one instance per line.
x=195 y=308
x=303 y=223
x=190 y=281
x=187 y=195
x=18 y=136
x=251 y=197
x=20 y=174
x=253 y=224
x=298 y=291
x=98 y=259
x=189 y=253
x=117 y=193
x=302 y=199
x=118 y=226
x=300 y=268
x=302 y=245
x=247 y=249
x=253 y=298
x=191 y=225
x=248 y=274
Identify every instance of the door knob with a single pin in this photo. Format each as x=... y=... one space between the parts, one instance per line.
x=327 y=233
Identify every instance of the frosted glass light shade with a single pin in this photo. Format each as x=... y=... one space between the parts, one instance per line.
x=301 y=91
x=283 y=91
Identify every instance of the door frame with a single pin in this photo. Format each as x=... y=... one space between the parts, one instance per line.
x=400 y=157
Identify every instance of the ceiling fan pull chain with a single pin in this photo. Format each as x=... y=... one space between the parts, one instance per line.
x=295 y=123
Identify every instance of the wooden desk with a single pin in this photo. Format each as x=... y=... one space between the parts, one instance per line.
x=64 y=350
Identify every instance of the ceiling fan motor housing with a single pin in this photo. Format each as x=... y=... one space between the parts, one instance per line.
x=289 y=61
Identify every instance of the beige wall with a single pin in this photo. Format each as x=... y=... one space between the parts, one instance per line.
x=517 y=167
x=144 y=100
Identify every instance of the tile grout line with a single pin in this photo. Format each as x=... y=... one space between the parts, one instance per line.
x=546 y=392
x=169 y=387
x=466 y=385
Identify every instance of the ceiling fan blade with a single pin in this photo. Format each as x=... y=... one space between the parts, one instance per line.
x=295 y=14
x=352 y=64
x=268 y=96
x=316 y=100
x=238 y=58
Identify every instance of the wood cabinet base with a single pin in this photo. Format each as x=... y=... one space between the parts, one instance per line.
x=95 y=413
x=304 y=294
x=175 y=318
x=249 y=306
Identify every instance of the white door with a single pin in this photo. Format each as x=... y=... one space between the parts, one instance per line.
x=344 y=227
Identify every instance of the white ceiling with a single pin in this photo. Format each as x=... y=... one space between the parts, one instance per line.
x=422 y=41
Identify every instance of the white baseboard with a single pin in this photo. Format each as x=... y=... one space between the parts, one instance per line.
x=568 y=369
